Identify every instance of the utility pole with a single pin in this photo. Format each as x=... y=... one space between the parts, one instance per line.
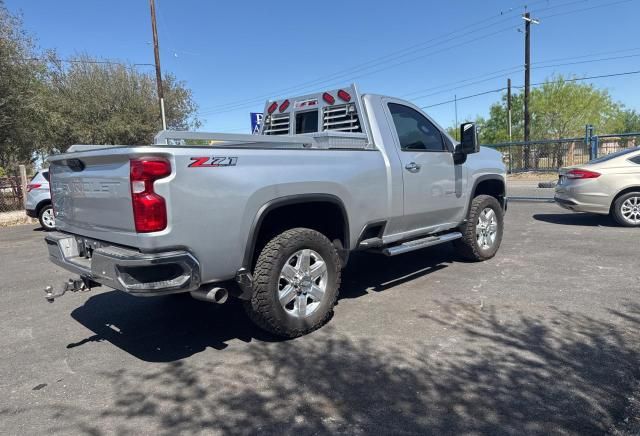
x=527 y=80
x=455 y=101
x=509 y=108
x=156 y=53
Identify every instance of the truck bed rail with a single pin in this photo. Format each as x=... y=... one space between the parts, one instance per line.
x=321 y=140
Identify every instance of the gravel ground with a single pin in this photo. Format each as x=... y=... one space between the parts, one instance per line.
x=14 y=218
x=542 y=339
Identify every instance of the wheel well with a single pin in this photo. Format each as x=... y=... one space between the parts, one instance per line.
x=327 y=217
x=42 y=204
x=492 y=187
x=621 y=193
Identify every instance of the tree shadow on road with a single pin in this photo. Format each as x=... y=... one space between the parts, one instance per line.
x=490 y=373
x=166 y=329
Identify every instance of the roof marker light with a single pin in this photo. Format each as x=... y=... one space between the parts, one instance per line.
x=272 y=107
x=328 y=98
x=344 y=95
x=284 y=105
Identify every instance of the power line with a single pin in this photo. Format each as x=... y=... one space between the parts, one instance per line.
x=85 y=61
x=464 y=98
x=576 y=79
x=239 y=104
x=584 y=9
x=517 y=68
x=462 y=83
x=377 y=61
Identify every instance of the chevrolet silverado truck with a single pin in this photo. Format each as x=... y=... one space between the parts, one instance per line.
x=272 y=218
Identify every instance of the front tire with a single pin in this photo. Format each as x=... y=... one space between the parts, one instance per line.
x=626 y=209
x=296 y=281
x=482 y=232
x=46 y=218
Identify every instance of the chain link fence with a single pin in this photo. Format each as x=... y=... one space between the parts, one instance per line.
x=11 y=194
x=551 y=155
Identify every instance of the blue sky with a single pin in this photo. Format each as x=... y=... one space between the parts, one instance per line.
x=234 y=54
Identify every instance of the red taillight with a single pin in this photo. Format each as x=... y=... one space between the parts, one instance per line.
x=328 y=98
x=284 y=105
x=272 y=107
x=32 y=186
x=344 y=95
x=149 y=209
x=582 y=174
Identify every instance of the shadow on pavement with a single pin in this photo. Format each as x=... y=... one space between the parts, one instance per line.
x=564 y=373
x=170 y=328
x=575 y=219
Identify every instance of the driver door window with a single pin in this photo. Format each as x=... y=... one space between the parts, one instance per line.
x=415 y=132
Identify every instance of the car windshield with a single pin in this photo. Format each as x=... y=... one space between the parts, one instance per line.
x=614 y=155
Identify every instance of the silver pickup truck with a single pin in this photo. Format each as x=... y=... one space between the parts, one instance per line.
x=272 y=218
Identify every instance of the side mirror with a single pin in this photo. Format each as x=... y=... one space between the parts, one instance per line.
x=469 y=138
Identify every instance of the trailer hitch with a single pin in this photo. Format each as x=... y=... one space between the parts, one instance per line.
x=74 y=285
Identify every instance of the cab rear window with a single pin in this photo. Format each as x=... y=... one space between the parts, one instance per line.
x=307 y=122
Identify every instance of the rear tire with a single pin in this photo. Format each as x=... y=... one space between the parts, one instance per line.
x=482 y=232
x=46 y=218
x=291 y=296
x=626 y=209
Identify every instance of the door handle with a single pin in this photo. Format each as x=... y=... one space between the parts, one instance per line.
x=412 y=167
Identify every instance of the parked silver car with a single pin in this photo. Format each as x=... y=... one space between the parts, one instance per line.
x=609 y=185
x=39 y=200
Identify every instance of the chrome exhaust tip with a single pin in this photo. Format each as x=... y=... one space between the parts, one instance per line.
x=211 y=294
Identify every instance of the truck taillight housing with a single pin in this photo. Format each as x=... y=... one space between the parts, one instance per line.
x=149 y=208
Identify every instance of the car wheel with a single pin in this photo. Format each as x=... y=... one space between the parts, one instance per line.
x=482 y=232
x=46 y=218
x=626 y=209
x=296 y=281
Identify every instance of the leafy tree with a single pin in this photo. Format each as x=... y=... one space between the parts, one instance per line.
x=559 y=109
x=102 y=103
x=21 y=86
x=46 y=105
x=630 y=121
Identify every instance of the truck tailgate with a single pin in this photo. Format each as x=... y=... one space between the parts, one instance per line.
x=92 y=193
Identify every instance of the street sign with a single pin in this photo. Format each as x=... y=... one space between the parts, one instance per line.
x=256 y=122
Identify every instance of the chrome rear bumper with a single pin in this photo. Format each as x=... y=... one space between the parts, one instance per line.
x=125 y=269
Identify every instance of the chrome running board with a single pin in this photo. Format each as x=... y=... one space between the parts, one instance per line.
x=417 y=244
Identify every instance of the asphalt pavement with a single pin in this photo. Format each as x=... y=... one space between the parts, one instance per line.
x=542 y=339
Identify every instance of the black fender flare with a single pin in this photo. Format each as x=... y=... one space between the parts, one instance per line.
x=484 y=178
x=288 y=200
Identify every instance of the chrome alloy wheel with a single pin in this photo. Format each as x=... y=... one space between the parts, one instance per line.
x=630 y=210
x=486 y=228
x=48 y=218
x=303 y=283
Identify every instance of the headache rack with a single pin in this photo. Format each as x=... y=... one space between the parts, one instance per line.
x=342 y=118
x=278 y=125
x=325 y=120
x=338 y=110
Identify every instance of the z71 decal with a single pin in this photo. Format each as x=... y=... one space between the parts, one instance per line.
x=213 y=162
